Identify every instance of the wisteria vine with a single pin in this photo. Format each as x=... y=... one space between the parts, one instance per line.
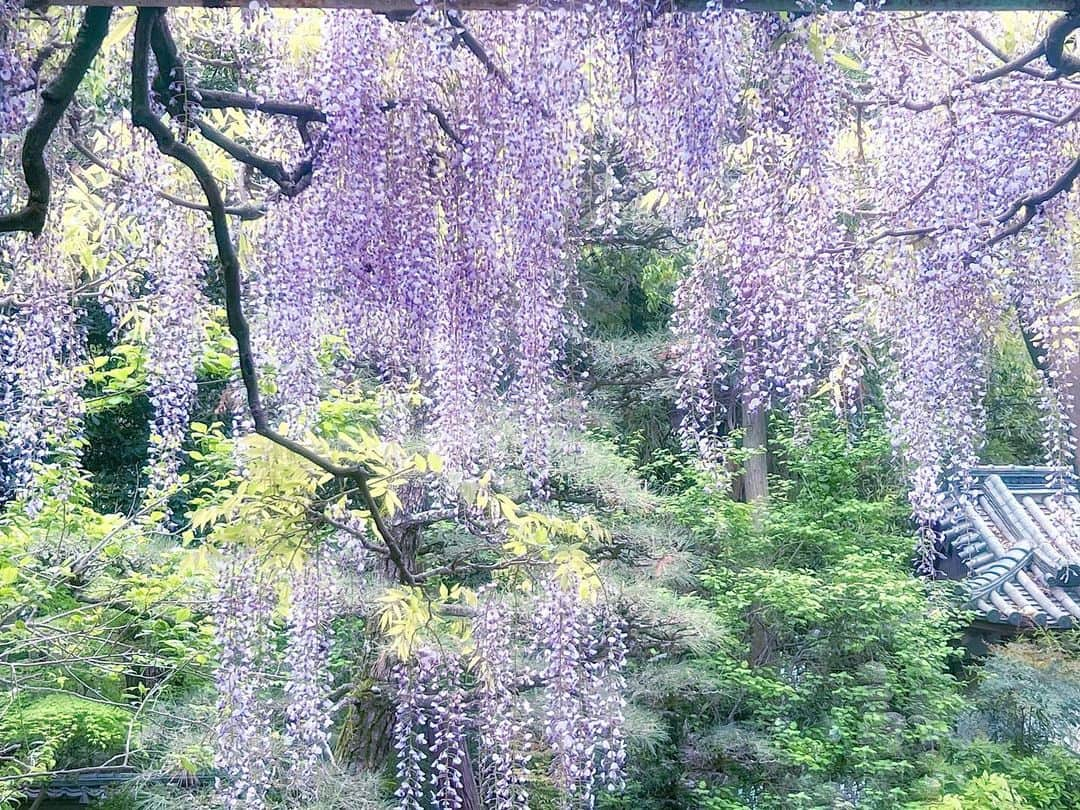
x=842 y=183
x=577 y=713
x=243 y=612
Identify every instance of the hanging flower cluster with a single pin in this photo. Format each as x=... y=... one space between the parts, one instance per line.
x=687 y=82
x=1045 y=293
x=937 y=316
x=944 y=168
x=243 y=612
x=177 y=310
x=504 y=741
x=16 y=78
x=41 y=371
x=581 y=650
x=583 y=653
x=246 y=711
x=307 y=684
x=746 y=102
x=607 y=661
x=433 y=239
x=429 y=732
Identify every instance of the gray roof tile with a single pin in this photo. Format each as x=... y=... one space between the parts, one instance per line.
x=1023 y=564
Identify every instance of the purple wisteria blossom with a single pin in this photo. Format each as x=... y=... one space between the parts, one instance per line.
x=582 y=651
x=17 y=81
x=434 y=242
x=307 y=682
x=177 y=309
x=944 y=170
x=429 y=731
x=43 y=355
x=243 y=739
x=505 y=740
x=762 y=305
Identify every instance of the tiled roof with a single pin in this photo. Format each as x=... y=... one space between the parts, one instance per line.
x=85 y=787
x=1022 y=562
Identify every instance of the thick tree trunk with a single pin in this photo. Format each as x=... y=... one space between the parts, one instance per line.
x=755 y=437
x=371 y=729
x=371 y=732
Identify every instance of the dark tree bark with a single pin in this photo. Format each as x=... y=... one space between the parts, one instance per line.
x=370 y=729
x=55 y=100
x=755 y=440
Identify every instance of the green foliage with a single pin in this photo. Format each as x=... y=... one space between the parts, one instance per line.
x=96 y=616
x=1014 y=427
x=334 y=788
x=631 y=381
x=988 y=791
x=782 y=656
x=837 y=679
x=628 y=291
x=833 y=682
x=65 y=730
x=1027 y=694
x=1048 y=780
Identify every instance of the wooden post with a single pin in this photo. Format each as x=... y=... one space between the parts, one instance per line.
x=793 y=6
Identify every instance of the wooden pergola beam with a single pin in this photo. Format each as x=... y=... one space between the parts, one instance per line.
x=795 y=6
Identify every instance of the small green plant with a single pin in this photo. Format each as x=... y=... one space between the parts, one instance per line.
x=65 y=730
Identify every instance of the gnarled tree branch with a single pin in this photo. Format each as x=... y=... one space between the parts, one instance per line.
x=1054 y=44
x=142 y=115
x=172 y=86
x=1029 y=204
x=223 y=99
x=54 y=103
x=245 y=212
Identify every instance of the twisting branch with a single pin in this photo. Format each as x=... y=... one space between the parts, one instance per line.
x=173 y=89
x=1056 y=36
x=1027 y=207
x=1030 y=204
x=1020 y=64
x=440 y=118
x=142 y=115
x=290 y=183
x=1052 y=48
x=303 y=113
x=1023 y=210
x=54 y=103
x=467 y=39
x=1056 y=120
x=223 y=100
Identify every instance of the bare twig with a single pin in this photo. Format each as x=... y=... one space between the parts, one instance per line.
x=467 y=39
x=1020 y=64
x=244 y=212
x=223 y=99
x=1055 y=120
x=1031 y=203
